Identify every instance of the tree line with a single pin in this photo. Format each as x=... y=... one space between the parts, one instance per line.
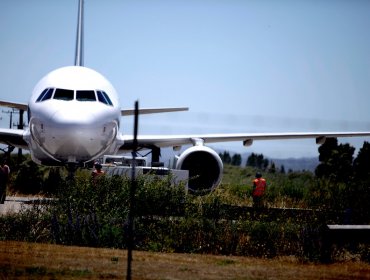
x=254 y=160
x=340 y=182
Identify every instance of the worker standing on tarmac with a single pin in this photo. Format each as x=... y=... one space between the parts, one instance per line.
x=259 y=189
x=4 y=176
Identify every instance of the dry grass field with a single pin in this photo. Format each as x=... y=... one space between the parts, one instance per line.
x=20 y=260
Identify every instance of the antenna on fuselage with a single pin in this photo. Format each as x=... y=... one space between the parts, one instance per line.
x=79 y=58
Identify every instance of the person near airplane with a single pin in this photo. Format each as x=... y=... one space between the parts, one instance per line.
x=97 y=172
x=74 y=118
x=259 y=189
x=4 y=175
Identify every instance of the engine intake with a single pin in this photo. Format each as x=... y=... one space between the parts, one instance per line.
x=205 y=168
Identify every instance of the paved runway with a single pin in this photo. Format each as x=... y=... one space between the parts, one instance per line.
x=14 y=204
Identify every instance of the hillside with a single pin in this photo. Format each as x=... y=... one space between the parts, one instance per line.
x=297 y=164
x=294 y=164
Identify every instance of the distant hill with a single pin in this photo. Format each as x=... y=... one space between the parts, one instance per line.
x=297 y=164
x=294 y=164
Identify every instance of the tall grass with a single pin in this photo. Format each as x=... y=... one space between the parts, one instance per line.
x=95 y=214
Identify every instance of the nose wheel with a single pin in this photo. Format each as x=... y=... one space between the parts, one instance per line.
x=71 y=168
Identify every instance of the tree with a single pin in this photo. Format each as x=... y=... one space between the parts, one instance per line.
x=29 y=178
x=335 y=161
x=258 y=161
x=361 y=165
x=282 y=169
x=251 y=161
x=272 y=168
x=359 y=193
x=236 y=160
x=225 y=157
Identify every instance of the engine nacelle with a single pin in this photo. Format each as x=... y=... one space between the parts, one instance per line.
x=205 y=168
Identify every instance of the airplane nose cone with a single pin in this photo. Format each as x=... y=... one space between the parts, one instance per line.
x=74 y=132
x=72 y=118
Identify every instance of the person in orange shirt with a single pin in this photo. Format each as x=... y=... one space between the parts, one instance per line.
x=97 y=172
x=259 y=189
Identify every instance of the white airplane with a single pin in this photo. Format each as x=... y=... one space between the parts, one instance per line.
x=74 y=118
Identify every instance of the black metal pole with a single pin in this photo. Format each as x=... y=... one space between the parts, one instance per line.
x=131 y=214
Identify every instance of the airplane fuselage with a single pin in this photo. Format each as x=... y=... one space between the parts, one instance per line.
x=74 y=117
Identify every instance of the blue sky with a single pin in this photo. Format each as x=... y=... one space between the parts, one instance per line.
x=241 y=66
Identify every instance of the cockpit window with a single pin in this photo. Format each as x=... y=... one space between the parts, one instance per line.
x=81 y=95
x=104 y=98
x=85 y=95
x=63 y=94
x=45 y=95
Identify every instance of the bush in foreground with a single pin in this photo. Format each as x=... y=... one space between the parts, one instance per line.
x=167 y=220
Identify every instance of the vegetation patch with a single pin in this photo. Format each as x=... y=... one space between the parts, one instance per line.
x=226 y=262
x=32 y=272
x=298 y=205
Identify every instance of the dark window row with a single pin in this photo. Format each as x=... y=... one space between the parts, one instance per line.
x=81 y=95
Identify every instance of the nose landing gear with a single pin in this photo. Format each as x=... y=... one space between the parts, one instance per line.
x=71 y=168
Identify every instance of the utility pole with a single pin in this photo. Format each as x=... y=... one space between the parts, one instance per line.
x=131 y=213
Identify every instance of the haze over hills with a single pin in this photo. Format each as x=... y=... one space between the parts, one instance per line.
x=294 y=164
x=297 y=164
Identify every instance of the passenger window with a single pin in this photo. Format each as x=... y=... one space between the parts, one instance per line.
x=104 y=98
x=85 y=95
x=45 y=95
x=63 y=94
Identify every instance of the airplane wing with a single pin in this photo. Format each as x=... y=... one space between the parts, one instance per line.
x=129 y=112
x=19 y=106
x=13 y=137
x=148 y=141
x=124 y=112
x=203 y=163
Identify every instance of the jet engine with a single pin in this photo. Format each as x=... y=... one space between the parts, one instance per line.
x=205 y=168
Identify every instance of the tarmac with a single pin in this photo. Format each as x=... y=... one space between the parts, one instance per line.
x=14 y=204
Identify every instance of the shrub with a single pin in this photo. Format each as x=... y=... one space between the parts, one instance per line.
x=167 y=219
